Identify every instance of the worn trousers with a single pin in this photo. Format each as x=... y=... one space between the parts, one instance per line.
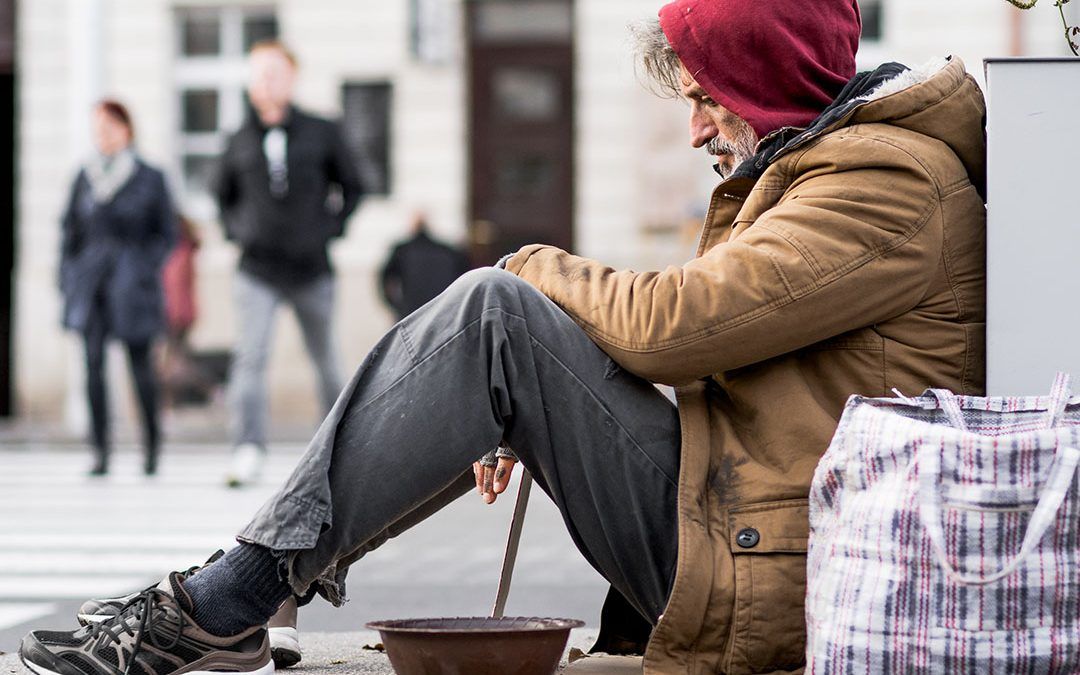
x=489 y=360
x=256 y=306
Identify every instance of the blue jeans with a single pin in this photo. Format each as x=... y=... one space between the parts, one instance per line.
x=490 y=359
x=256 y=306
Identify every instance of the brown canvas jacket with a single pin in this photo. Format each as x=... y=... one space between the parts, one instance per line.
x=853 y=264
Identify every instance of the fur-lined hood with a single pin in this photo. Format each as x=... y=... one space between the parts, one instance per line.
x=938 y=99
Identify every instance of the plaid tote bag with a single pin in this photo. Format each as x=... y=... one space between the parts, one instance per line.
x=945 y=537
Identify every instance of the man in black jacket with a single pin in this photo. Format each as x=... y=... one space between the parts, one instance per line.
x=418 y=269
x=286 y=187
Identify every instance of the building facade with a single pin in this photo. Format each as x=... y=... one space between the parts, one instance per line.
x=507 y=121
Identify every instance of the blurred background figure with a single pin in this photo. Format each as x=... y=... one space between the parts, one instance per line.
x=178 y=275
x=419 y=268
x=286 y=186
x=117 y=230
x=187 y=377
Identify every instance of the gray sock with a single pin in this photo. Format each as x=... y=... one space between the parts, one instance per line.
x=244 y=588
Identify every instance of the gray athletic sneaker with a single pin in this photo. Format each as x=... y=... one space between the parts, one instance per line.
x=153 y=635
x=284 y=637
x=96 y=611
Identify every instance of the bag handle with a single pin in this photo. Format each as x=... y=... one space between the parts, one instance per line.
x=950 y=405
x=1057 y=486
x=1055 y=409
x=1059 y=398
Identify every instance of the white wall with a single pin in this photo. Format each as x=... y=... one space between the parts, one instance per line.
x=46 y=159
x=640 y=189
x=637 y=174
x=918 y=30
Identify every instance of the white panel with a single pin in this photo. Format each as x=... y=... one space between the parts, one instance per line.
x=1034 y=223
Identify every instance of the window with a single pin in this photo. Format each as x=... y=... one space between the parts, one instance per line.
x=211 y=48
x=872 y=20
x=432 y=30
x=200 y=110
x=200 y=34
x=366 y=122
x=522 y=21
x=259 y=27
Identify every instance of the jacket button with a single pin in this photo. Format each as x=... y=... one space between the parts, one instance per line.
x=747 y=537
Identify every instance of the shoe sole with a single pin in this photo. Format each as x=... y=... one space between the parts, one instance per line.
x=268 y=669
x=284 y=646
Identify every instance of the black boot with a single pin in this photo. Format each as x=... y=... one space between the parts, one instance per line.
x=100 y=467
x=622 y=628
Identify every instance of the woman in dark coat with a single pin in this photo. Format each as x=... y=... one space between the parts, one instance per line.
x=118 y=228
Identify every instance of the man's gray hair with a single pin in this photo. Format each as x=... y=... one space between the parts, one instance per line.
x=656 y=58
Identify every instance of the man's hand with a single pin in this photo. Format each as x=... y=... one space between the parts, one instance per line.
x=492 y=479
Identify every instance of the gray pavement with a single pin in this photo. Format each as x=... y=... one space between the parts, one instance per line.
x=65 y=537
x=339 y=653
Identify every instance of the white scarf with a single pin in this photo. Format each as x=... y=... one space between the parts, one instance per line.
x=107 y=174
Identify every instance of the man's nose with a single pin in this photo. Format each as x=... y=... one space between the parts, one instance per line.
x=702 y=129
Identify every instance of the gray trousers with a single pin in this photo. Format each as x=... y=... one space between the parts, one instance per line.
x=489 y=359
x=256 y=306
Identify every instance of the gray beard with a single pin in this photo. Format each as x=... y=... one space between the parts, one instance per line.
x=740 y=149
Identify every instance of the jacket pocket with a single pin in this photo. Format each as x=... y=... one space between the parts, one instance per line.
x=768 y=625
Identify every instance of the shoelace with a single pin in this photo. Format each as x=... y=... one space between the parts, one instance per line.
x=145 y=608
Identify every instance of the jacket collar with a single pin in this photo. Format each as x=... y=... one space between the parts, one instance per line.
x=855 y=93
x=255 y=123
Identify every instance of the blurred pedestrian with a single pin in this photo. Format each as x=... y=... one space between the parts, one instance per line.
x=418 y=269
x=118 y=228
x=286 y=187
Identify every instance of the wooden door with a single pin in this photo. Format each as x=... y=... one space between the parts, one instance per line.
x=521 y=182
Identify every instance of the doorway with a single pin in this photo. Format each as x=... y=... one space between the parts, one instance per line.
x=521 y=103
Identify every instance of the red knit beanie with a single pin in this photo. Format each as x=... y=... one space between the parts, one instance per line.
x=774 y=63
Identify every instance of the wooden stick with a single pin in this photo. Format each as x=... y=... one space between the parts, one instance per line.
x=512 y=542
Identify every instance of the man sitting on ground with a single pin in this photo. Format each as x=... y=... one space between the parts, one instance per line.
x=843 y=253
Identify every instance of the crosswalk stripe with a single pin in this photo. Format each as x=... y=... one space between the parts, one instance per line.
x=12 y=614
x=52 y=562
x=68 y=587
x=44 y=541
x=65 y=537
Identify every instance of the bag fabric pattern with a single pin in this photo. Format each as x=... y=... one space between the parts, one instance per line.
x=945 y=537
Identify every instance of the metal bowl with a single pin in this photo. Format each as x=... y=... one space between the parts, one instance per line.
x=476 y=645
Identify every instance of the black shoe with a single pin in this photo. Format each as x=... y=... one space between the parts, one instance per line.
x=153 y=635
x=100 y=467
x=150 y=461
x=96 y=611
